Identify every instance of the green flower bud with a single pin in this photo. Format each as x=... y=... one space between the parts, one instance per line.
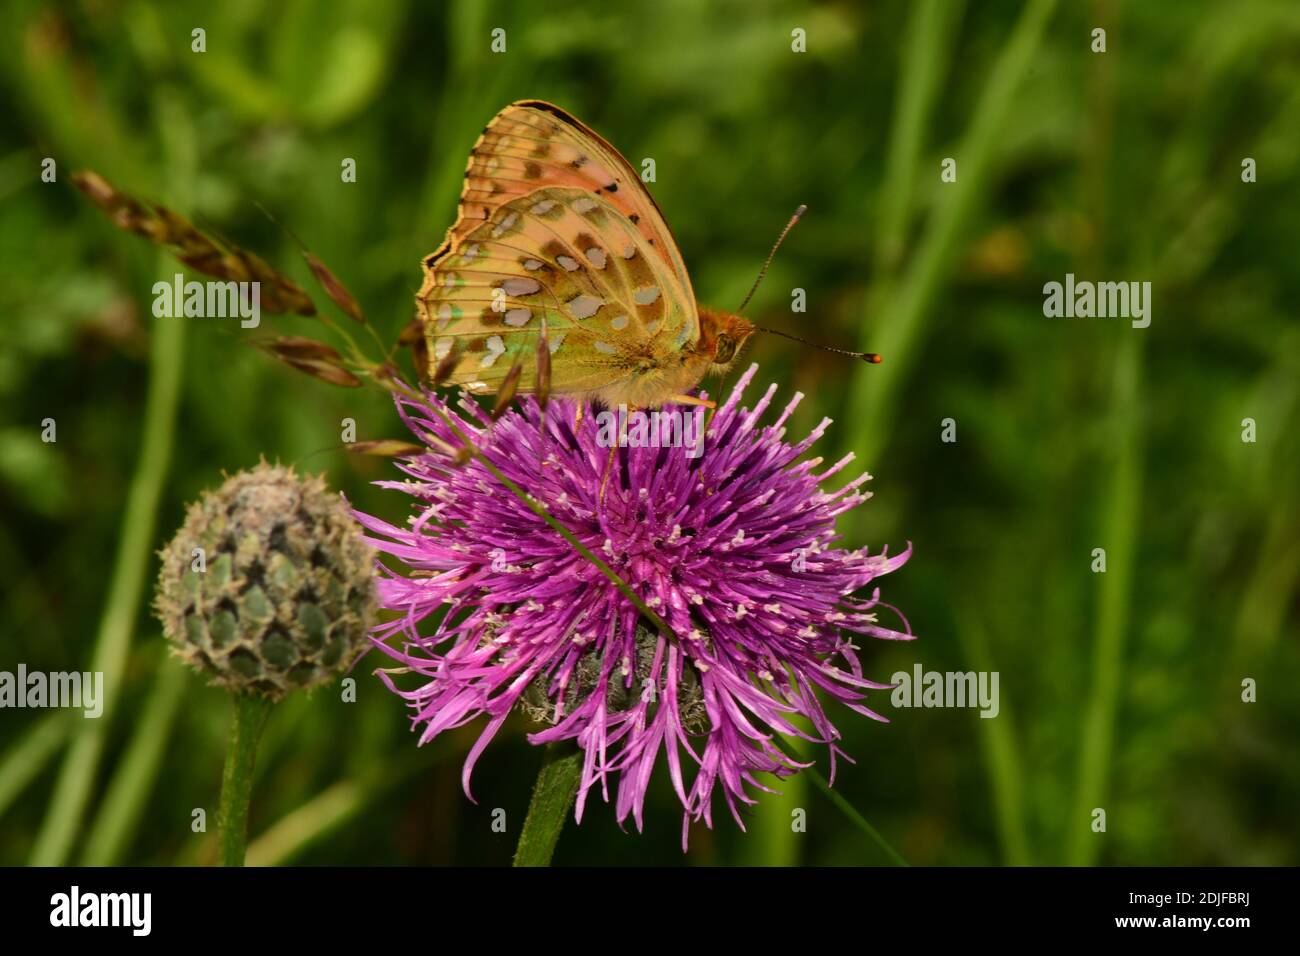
x=268 y=586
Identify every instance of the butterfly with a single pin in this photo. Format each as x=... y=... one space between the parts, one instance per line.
x=560 y=275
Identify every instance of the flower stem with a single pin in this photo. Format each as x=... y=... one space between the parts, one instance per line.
x=557 y=785
x=250 y=713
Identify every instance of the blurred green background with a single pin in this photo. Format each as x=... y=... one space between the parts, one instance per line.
x=1119 y=690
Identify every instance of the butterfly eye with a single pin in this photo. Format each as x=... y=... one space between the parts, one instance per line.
x=725 y=352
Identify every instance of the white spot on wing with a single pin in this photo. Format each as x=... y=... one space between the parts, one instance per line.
x=646 y=294
x=518 y=317
x=605 y=348
x=568 y=262
x=441 y=348
x=545 y=206
x=505 y=225
x=584 y=306
x=597 y=256
x=520 y=286
x=556 y=341
x=532 y=265
x=618 y=323
x=583 y=205
x=495 y=349
x=444 y=316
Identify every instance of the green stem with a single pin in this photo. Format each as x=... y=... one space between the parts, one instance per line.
x=874 y=391
x=130 y=570
x=927 y=45
x=772 y=840
x=137 y=771
x=553 y=794
x=250 y=713
x=1001 y=755
x=299 y=829
x=1123 y=517
x=131 y=565
x=856 y=818
x=24 y=762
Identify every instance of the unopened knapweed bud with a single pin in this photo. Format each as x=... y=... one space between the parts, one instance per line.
x=283 y=596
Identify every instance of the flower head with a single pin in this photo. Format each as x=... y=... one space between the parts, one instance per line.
x=267 y=586
x=734 y=549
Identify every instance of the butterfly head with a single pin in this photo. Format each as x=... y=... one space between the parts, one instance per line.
x=722 y=337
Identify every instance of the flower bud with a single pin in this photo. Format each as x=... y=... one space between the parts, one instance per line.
x=267 y=587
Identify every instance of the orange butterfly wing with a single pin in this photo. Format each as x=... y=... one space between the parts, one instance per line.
x=556 y=233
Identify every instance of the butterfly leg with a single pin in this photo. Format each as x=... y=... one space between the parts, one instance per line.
x=541 y=440
x=542 y=391
x=620 y=438
x=609 y=470
x=692 y=400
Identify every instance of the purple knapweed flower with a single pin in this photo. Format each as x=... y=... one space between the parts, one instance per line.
x=734 y=548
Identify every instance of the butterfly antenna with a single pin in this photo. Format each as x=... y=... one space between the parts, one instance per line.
x=871 y=358
x=771 y=255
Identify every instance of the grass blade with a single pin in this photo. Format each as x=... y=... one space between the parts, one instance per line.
x=856 y=818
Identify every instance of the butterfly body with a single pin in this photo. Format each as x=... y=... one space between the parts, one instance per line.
x=653 y=377
x=558 y=246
